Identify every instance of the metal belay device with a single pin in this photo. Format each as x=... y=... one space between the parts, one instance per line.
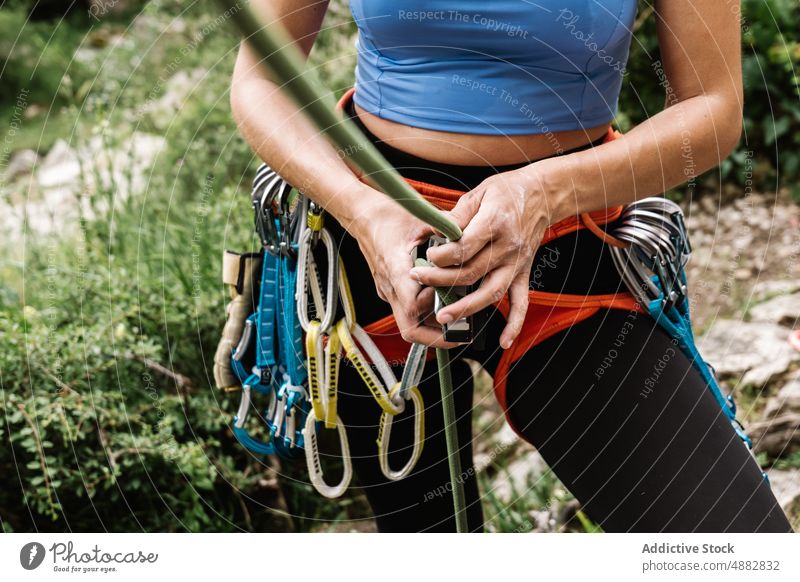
x=292 y=344
x=652 y=266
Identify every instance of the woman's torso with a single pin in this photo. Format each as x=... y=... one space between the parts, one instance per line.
x=500 y=82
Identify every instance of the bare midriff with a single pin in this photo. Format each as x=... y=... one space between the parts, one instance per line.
x=469 y=149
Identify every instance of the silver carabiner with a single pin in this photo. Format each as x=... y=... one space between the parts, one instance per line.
x=305 y=266
x=658 y=245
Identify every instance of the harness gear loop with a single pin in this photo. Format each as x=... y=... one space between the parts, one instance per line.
x=385 y=431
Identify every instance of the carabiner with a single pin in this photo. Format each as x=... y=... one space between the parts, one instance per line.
x=315 y=220
x=346 y=296
x=412 y=372
x=385 y=431
x=282 y=420
x=239 y=430
x=267 y=185
x=304 y=261
x=314 y=463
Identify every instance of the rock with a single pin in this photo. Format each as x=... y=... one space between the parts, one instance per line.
x=777 y=436
x=786 y=487
x=177 y=91
x=21 y=164
x=506 y=436
x=754 y=352
x=786 y=401
x=539 y=522
x=59 y=167
x=764 y=290
x=67 y=177
x=778 y=432
x=34 y=110
x=783 y=310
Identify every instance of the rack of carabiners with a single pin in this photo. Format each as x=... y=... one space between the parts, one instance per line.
x=652 y=266
x=296 y=342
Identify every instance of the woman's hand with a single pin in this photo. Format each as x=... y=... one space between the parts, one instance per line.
x=503 y=220
x=388 y=235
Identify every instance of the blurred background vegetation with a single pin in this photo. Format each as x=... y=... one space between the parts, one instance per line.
x=110 y=312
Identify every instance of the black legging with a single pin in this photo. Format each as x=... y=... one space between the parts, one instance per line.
x=628 y=425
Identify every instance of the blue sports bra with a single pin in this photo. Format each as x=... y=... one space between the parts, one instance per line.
x=492 y=66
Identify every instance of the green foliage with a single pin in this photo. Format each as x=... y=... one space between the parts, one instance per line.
x=771 y=34
x=36 y=58
x=112 y=421
x=768 y=155
x=99 y=436
x=790 y=461
x=540 y=493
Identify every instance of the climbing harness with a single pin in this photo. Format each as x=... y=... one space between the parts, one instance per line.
x=652 y=265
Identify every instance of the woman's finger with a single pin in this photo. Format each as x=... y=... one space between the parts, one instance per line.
x=466 y=274
x=408 y=309
x=467 y=206
x=424 y=302
x=518 y=308
x=491 y=291
x=478 y=234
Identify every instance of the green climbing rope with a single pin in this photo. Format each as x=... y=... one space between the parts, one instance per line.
x=287 y=68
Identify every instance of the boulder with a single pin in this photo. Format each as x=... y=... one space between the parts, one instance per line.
x=786 y=487
x=177 y=91
x=60 y=167
x=783 y=310
x=768 y=289
x=752 y=352
x=778 y=432
x=786 y=401
x=21 y=164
